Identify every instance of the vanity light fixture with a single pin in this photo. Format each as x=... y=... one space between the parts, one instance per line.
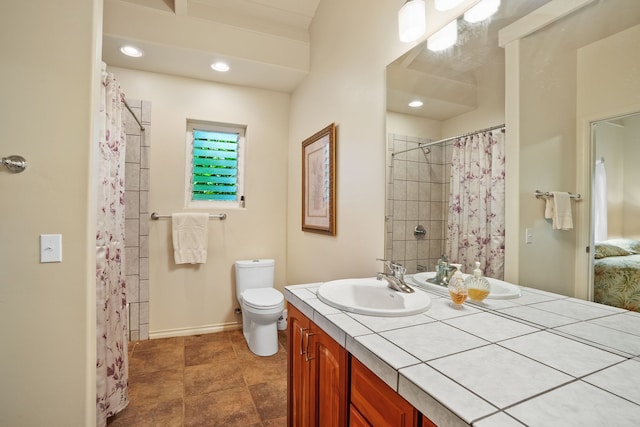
x=220 y=66
x=416 y=104
x=412 y=20
x=131 y=51
x=482 y=11
x=443 y=5
x=445 y=38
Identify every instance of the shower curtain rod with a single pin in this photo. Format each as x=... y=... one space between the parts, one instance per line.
x=449 y=139
x=134 y=115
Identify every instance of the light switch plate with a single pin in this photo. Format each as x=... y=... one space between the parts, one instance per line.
x=51 y=248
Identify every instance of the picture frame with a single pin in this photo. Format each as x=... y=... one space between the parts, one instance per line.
x=319 y=182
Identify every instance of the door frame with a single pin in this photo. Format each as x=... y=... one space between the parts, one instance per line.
x=585 y=169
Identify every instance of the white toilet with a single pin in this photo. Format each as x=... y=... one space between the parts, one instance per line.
x=261 y=304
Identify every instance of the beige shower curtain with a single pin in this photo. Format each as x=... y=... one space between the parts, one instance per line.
x=112 y=363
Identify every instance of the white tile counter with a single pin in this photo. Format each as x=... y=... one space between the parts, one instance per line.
x=538 y=360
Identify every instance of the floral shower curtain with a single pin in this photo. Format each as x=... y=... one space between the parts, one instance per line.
x=475 y=228
x=112 y=363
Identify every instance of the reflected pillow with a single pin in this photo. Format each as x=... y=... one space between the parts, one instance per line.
x=628 y=244
x=606 y=249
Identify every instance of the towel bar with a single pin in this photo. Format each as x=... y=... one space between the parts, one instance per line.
x=220 y=216
x=15 y=164
x=539 y=194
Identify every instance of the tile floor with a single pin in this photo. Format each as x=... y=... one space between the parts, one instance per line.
x=204 y=380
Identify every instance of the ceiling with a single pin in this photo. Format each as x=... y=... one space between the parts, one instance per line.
x=266 y=42
x=447 y=81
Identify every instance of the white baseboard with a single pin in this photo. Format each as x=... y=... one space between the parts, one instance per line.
x=181 y=332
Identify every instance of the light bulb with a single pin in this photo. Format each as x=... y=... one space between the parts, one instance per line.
x=443 y=5
x=482 y=11
x=412 y=21
x=445 y=38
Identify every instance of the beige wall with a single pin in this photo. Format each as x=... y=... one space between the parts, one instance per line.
x=186 y=299
x=558 y=97
x=48 y=81
x=352 y=42
x=608 y=87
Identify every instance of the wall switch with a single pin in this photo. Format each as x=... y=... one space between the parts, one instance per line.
x=51 y=248
x=528 y=236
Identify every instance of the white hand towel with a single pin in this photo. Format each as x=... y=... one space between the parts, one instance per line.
x=190 y=237
x=548 y=207
x=562 y=218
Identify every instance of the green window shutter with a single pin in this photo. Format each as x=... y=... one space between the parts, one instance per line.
x=215 y=166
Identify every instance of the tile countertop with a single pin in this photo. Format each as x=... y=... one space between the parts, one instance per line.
x=539 y=360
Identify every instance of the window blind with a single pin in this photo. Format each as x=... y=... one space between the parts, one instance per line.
x=215 y=165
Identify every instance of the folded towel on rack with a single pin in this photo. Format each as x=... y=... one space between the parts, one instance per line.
x=561 y=211
x=190 y=237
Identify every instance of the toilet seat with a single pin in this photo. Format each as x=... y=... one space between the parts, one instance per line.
x=262 y=298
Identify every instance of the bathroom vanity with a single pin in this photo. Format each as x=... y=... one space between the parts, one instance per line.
x=538 y=360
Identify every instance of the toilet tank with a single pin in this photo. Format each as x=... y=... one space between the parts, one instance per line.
x=254 y=273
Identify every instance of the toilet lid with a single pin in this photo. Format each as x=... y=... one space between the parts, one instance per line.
x=262 y=297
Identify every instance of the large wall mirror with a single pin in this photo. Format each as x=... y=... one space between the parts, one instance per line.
x=578 y=69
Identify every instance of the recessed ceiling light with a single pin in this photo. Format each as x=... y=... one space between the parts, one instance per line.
x=416 y=104
x=220 y=66
x=131 y=51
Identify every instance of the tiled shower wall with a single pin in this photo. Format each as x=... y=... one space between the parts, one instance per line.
x=417 y=194
x=137 y=218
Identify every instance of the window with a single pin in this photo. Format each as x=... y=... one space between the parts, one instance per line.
x=214 y=169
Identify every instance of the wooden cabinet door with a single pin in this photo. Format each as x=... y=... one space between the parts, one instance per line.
x=378 y=403
x=298 y=370
x=328 y=380
x=356 y=419
x=426 y=422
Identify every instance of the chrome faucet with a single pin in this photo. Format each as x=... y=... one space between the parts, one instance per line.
x=450 y=271
x=444 y=272
x=395 y=278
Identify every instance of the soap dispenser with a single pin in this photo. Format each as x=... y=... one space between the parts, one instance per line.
x=478 y=286
x=457 y=289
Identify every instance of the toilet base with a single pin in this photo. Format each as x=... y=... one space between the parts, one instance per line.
x=261 y=339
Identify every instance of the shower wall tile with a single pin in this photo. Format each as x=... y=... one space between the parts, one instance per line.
x=132 y=152
x=144 y=157
x=132 y=236
x=132 y=261
x=417 y=194
x=144 y=290
x=137 y=213
x=413 y=190
x=131 y=204
x=412 y=211
x=133 y=289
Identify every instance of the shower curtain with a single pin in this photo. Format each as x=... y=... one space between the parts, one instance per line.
x=112 y=363
x=600 y=202
x=475 y=227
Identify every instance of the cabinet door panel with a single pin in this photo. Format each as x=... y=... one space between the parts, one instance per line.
x=298 y=369
x=328 y=380
x=356 y=419
x=377 y=402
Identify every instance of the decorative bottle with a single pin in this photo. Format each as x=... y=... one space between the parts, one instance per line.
x=478 y=286
x=457 y=289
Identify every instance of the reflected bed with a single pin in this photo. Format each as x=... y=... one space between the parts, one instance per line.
x=617 y=273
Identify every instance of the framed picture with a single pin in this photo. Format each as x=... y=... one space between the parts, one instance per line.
x=319 y=182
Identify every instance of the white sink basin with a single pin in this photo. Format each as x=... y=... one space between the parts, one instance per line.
x=499 y=289
x=372 y=297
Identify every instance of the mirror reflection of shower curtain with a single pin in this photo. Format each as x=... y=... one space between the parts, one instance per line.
x=112 y=367
x=600 y=202
x=475 y=228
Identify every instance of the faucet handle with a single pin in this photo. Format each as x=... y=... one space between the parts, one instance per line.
x=393 y=266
